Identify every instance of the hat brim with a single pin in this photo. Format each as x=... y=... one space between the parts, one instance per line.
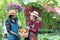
x=12 y=12
x=34 y=14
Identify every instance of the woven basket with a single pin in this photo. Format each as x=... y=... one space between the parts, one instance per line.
x=23 y=35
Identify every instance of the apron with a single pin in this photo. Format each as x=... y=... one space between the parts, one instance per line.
x=33 y=36
x=14 y=28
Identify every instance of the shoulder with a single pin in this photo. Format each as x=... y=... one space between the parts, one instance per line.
x=8 y=20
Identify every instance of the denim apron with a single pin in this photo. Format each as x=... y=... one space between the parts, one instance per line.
x=14 y=28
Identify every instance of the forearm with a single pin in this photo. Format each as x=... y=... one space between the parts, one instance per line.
x=12 y=32
x=16 y=34
x=33 y=30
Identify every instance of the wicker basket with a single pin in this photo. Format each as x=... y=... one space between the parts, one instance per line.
x=23 y=35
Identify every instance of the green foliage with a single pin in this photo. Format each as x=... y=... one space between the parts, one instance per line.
x=49 y=36
x=46 y=19
x=49 y=20
x=46 y=30
x=1 y=31
x=36 y=5
x=22 y=19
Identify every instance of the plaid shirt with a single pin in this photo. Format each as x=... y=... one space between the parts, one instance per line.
x=34 y=26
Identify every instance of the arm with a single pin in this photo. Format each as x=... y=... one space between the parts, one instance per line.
x=8 y=27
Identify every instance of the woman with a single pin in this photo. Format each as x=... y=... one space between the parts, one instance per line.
x=34 y=26
x=12 y=25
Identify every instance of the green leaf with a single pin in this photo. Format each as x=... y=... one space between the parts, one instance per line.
x=22 y=19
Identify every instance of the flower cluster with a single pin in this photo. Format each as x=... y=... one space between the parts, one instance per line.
x=16 y=7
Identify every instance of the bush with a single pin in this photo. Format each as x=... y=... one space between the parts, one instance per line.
x=46 y=30
x=1 y=31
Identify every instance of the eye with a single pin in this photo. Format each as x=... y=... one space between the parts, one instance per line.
x=33 y=16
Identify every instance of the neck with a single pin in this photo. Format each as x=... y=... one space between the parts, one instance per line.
x=12 y=18
x=33 y=19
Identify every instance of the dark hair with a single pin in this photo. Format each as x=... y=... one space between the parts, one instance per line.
x=10 y=16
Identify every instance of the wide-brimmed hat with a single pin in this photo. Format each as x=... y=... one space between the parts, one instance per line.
x=34 y=13
x=12 y=12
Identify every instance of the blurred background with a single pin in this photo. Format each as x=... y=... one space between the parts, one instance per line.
x=49 y=12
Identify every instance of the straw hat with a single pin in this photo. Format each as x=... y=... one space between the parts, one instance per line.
x=12 y=12
x=35 y=13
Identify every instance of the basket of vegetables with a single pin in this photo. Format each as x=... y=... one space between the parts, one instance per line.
x=23 y=33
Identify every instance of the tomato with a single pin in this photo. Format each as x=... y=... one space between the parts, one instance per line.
x=22 y=30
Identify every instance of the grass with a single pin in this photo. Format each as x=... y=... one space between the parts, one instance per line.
x=50 y=36
x=46 y=36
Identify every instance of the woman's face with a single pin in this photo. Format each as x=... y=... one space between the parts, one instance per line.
x=13 y=16
x=13 y=13
x=32 y=17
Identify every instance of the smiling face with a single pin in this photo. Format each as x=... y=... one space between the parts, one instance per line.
x=13 y=17
x=32 y=17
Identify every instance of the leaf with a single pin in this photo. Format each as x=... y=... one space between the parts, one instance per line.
x=22 y=19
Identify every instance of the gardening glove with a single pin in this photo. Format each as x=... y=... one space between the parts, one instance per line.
x=27 y=27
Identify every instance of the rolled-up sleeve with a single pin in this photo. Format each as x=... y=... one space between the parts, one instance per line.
x=8 y=26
